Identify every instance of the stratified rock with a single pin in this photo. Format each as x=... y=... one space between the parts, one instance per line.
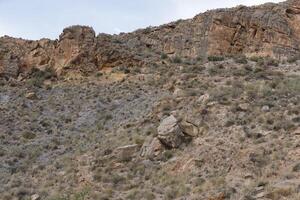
x=9 y=65
x=169 y=132
x=266 y=30
x=189 y=128
x=31 y=96
x=126 y=153
x=203 y=99
x=151 y=148
x=35 y=197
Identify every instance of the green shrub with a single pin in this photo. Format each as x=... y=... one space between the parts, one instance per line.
x=256 y=59
x=163 y=56
x=215 y=58
x=241 y=59
x=167 y=155
x=28 y=135
x=296 y=168
x=293 y=59
x=39 y=76
x=176 y=59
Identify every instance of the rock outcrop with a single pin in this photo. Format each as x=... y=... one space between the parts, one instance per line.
x=170 y=133
x=266 y=30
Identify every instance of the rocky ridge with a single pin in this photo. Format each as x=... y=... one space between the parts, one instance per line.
x=266 y=30
x=169 y=112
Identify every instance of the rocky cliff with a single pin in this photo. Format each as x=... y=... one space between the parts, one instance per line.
x=266 y=30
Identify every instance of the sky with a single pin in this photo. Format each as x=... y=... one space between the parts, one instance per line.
x=35 y=19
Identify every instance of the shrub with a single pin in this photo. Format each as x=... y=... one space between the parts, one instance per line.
x=215 y=58
x=163 y=56
x=28 y=135
x=271 y=62
x=39 y=76
x=294 y=58
x=296 y=168
x=176 y=59
x=167 y=155
x=256 y=59
x=241 y=59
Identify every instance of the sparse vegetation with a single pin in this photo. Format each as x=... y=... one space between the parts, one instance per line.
x=215 y=58
x=176 y=59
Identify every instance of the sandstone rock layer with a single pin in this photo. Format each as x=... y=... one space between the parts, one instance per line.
x=266 y=30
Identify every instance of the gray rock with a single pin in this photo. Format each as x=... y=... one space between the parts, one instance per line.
x=265 y=109
x=151 y=148
x=169 y=132
x=126 y=153
x=189 y=129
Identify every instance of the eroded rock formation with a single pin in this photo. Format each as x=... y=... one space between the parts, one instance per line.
x=266 y=30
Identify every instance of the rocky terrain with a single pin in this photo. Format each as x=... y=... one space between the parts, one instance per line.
x=204 y=109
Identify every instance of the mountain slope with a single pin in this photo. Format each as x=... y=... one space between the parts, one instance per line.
x=140 y=116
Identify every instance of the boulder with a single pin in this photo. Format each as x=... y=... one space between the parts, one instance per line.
x=189 y=129
x=35 y=197
x=31 y=96
x=203 y=99
x=151 y=148
x=169 y=132
x=126 y=153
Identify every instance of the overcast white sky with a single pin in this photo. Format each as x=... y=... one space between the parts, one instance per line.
x=35 y=19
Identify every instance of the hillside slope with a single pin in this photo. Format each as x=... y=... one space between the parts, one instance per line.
x=154 y=114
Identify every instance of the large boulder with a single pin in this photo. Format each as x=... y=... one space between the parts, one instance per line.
x=169 y=132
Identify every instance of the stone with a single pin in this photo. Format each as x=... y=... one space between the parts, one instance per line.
x=265 y=109
x=126 y=153
x=178 y=92
x=297 y=131
x=203 y=99
x=151 y=148
x=260 y=195
x=31 y=96
x=243 y=106
x=35 y=197
x=189 y=128
x=169 y=132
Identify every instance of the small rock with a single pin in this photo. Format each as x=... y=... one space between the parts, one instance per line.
x=260 y=195
x=203 y=99
x=126 y=153
x=35 y=197
x=213 y=103
x=31 y=96
x=243 y=106
x=265 y=109
x=189 y=129
x=178 y=92
x=248 y=176
x=169 y=132
x=297 y=131
x=259 y=189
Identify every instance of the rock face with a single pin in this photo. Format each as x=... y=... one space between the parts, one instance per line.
x=169 y=132
x=266 y=30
